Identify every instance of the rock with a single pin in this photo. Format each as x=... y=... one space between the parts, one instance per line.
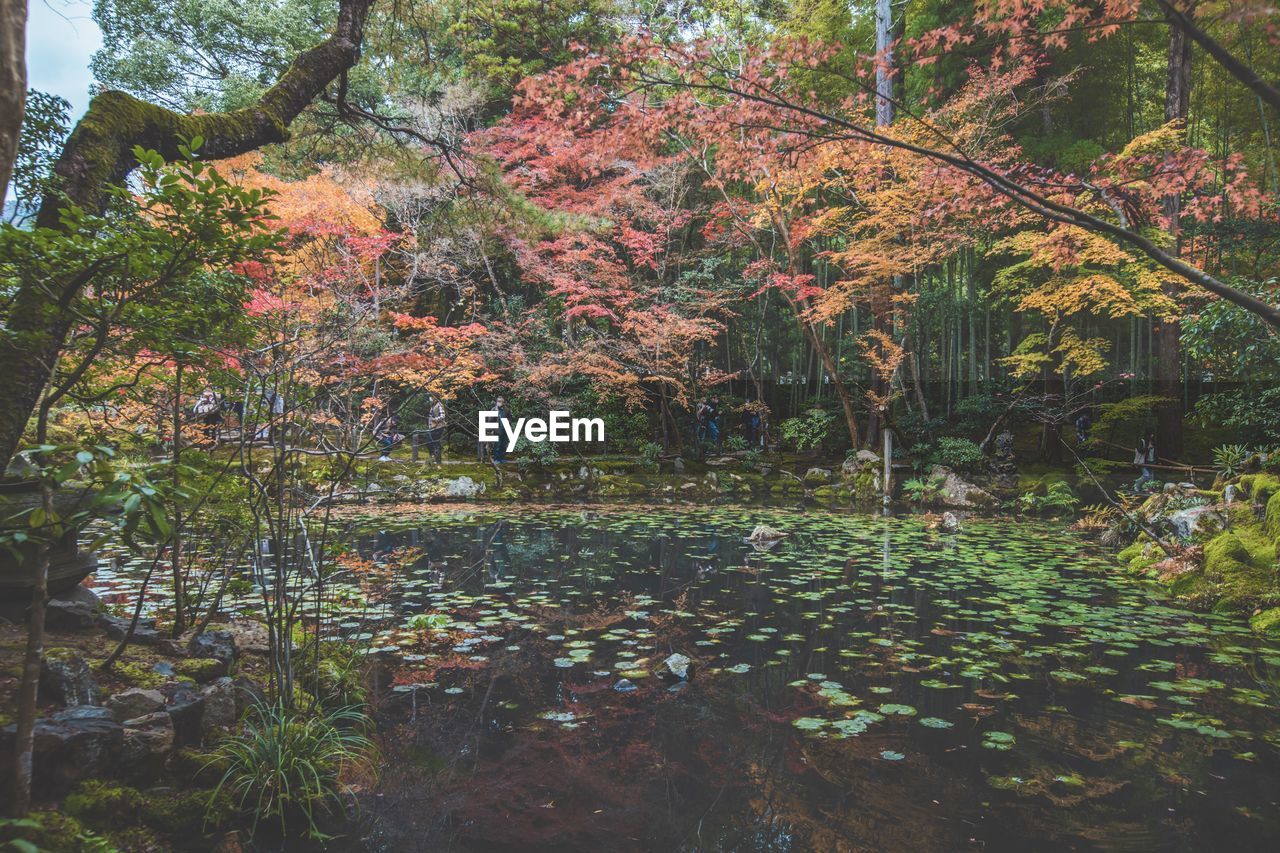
x=678 y=465
x=763 y=534
x=134 y=702
x=625 y=686
x=219 y=645
x=201 y=670
x=148 y=740
x=79 y=742
x=65 y=677
x=954 y=491
x=1231 y=493
x=1196 y=520
x=247 y=693
x=144 y=634
x=248 y=637
x=859 y=462
x=678 y=665
x=185 y=708
x=463 y=487
x=228 y=843
x=817 y=475
x=948 y=523
x=69 y=616
x=219 y=705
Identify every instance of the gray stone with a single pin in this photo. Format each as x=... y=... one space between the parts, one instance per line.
x=69 y=616
x=858 y=462
x=144 y=634
x=954 y=491
x=1191 y=521
x=249 y=637
x=185 y=708
x=949 y=523
x=72 y=745
x=1231 y=493
x=625 y=686
x=219 y=704
x=65 y=677
x=218 y=645
x=817 y=475
x=678 y=465
x=463 y=487
x=134 y=702
x=678 y=665
x=148 y=740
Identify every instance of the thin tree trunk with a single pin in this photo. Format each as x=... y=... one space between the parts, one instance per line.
x=13 y=85
x=175 y=555
x=24 y=745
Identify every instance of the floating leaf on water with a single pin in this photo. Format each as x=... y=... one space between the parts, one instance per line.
x=936 y=723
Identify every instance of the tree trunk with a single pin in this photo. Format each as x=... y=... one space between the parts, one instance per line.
x=1167 y=332
x=99 y=155
x=175 y=550
x=24 y=740
x=13 y=85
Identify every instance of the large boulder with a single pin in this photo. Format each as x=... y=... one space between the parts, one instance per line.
x=859 y=462
x=65 y=677
x=147 y=742
x=817 y=475
x=71 y=745
x=463 y=487
x=1195 y=520
x=248 y=636
x=219 y=705
x=219 y=645
x=956 y=492
x=185 y=707
x=75 y=610
x=134 y=702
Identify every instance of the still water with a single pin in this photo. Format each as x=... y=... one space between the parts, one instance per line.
x=866 y=683
x=863 y=684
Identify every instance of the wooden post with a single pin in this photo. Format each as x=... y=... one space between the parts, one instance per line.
x=888 y=466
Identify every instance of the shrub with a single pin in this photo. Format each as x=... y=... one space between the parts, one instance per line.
x=1058 y=499
x=808 y=431
x=920 y=489
x=288 y=766
x=535 y=454
x=1230 y=459
x=650 y=452
x=751 y=459
x=958 y=453
x=735 y=443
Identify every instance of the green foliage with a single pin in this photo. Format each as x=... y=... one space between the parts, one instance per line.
x=921 y=489
x=1058 y=499
x=535 y=454
x=1230 y=459
x=1250 y=414
x=958 y=453
x=808 y=431
x=102 y=804
x=650 y=453
x=1130 y=413
x=288 y=766
x=751 y=459
x=47 y=832
x=735 y=443
x=44 y=126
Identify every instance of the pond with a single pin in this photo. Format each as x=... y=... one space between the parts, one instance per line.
x=867 y=683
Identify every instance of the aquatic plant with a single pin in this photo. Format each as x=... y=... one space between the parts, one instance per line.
x=289 y=766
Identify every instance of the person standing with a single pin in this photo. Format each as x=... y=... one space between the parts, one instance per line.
x=713 y=421
x=208 y=409
x=504 y=416
x=1144 y=456
x=436 y=420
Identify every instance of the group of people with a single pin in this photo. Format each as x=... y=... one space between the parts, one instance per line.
x=387 y=434
x=211 y=409
x=708 y=417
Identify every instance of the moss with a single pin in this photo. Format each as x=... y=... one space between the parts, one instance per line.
x=1260 y=487
x=100 y=804
x=189 y=813
x=52 y=831
x=1242 y=563
x=138 y=674
x=1140 y=556
x=1267 y=622
x=1273 y=519
x=200 y=669
x=195 y=767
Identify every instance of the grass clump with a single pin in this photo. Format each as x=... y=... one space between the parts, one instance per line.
x=289 y=767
